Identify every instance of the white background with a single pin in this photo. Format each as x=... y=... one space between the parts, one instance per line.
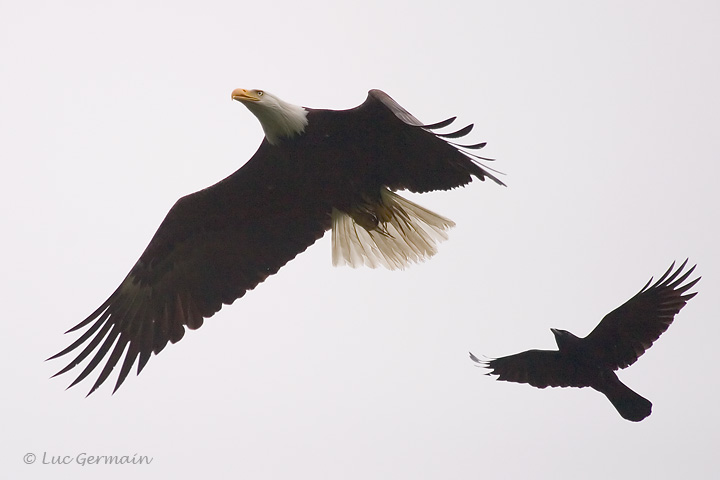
x=603 y=115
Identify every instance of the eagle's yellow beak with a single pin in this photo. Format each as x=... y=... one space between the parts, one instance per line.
x=242 y=95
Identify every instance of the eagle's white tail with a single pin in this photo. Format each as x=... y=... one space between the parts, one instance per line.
x=411 y=234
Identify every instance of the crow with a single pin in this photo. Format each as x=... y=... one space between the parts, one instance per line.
x=617 y=342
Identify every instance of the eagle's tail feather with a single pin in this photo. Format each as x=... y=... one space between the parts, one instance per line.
x=403 y=233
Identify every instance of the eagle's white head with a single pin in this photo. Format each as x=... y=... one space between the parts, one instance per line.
x=278 y=118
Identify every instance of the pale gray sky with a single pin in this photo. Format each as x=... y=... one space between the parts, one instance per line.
x=604 y=118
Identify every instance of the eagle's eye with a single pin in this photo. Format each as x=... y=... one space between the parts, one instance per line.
x=260 y=93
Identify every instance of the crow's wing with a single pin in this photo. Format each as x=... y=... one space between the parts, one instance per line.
x=626 y=332
x=539 y=368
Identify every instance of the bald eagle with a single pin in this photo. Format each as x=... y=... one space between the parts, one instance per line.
x=315 y=170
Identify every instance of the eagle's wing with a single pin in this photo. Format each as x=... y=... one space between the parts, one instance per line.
x=539 y=368
x=212 y=247
x=625 y=333
x=416 y=156
x=365 y=154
